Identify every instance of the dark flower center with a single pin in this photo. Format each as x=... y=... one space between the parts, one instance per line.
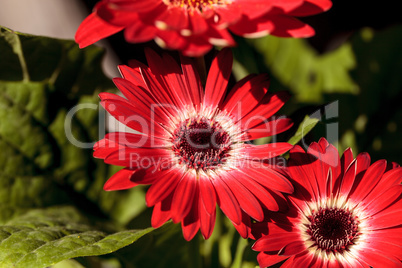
x=201 y=143
x=333 y=229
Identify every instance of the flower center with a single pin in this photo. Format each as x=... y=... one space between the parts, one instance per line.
x=197 y=4
x=201 y=143
x=333 y=229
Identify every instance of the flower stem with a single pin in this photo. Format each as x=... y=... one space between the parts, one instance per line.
x=195 y=260
x=241 y=245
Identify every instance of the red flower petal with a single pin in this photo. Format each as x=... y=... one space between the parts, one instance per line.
x=161 y=212
x=247 y=201
x=391 y=235
x=168 y=76
x=173 y=18
x=134 y=5
x=115 y=16
x=183 y=196
x=389 y=179
x=263 y=196
x=218 y=78
x=162 y=187
x=269 y=128
x=243 y=228
x=374 y=259
x=227 y=15
x=347 y=159
x=371 y=178
x=193 y=81
x=267 y=151
x=389 y=249
x=323 y=158
x=278 y=25
x=135 y=140
x=197 y=23
x=132 y=117
x=137 y=157
x=133 y=74
x=196 y=46
x=267 y=260
x=142 y=100
x=269 y=178
x=191 y=222
x=149 y=175
x=348 y=179
x=93 y=29
x=177 y=82
x=219 y=37
x=207 y=195
x=227 y=201
x=120 y=180
x=290 y=27
x=275 y=242
x=246 y=94
x=304 y=259
x=139 y=32
x=255 y=8
x=389 y=217
x=269 y=105
x=105 y=147
x=292 y=248
x=172 y=40
x=385 y=199
x=207 y=220
x=311 y=7
x=157 y=89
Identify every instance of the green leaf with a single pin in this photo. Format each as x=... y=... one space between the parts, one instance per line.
x=71 y=70
x=167 y=243
x=45 y=237
x=41 y=79
x=298 y=67
x=68 y=264
x=19 y=194
x=22 y=131
x=305 y=127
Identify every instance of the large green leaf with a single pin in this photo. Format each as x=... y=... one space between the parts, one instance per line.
x=44 y=237
x=42 y=82
x=29 y=151
x=308 y=74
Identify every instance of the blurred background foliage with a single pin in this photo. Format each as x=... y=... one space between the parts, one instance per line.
x=53 y=212
x=361 y=79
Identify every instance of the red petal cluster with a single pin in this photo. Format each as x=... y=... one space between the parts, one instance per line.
x=194 y=26
x=323 y=180
x=158 y=99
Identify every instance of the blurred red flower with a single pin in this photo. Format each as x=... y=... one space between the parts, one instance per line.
x=191 y=150
x=194 y=26
x=344 y=212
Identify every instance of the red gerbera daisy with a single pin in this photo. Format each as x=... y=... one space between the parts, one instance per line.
x=192 y=148
x=344 y=213
x=193 y=26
